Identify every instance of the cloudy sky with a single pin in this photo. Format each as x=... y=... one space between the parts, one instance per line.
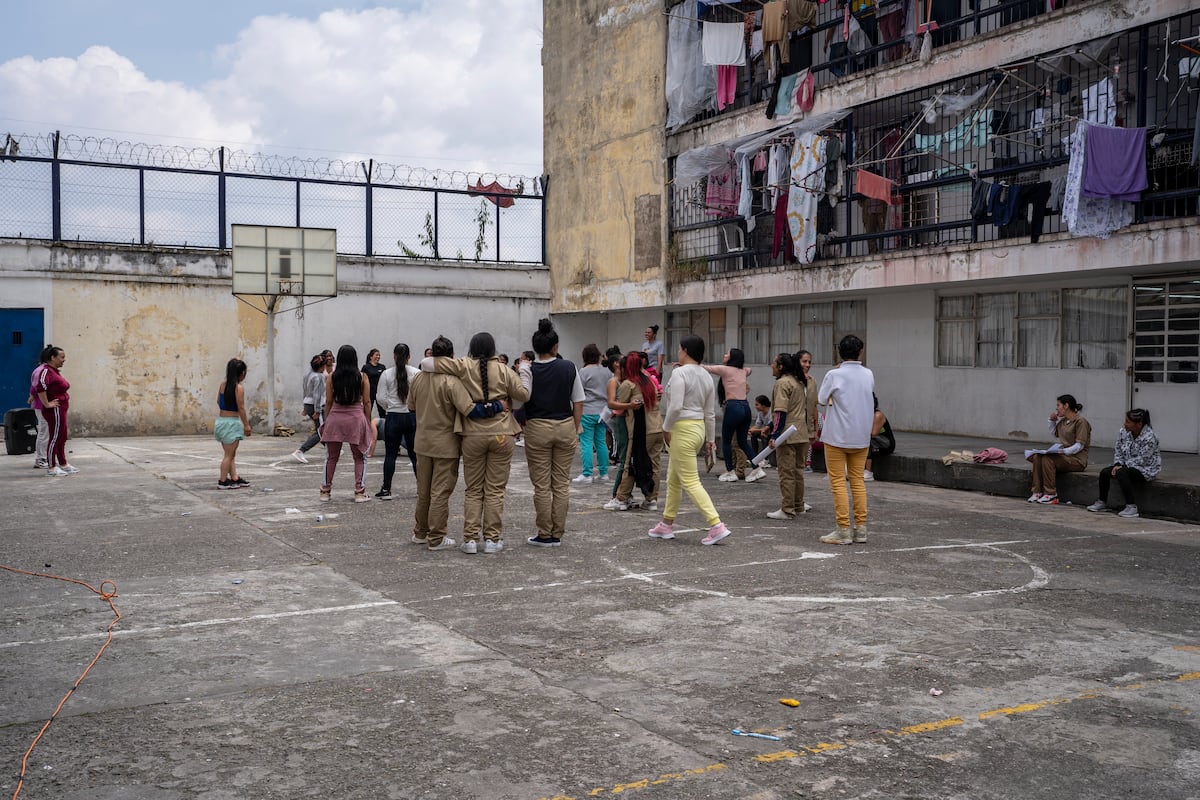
x=440 y=84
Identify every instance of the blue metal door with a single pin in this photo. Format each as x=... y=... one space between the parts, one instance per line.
x=21 y=332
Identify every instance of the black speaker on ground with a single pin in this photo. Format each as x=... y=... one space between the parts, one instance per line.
x=20 y=431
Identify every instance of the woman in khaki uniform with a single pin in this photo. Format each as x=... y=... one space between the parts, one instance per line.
x=639 y=391
x=487 y=430
x=793 y=402
x=1074 y=434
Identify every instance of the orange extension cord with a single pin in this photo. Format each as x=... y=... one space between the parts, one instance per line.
x=106 y=594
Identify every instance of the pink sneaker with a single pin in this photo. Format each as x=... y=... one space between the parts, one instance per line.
x=662 y=531
x=716 y=533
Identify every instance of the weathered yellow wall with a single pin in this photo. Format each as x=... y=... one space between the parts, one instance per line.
x=147 y=358
x=604 y=112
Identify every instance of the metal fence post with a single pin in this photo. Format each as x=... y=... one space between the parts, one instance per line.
x=369 y=167
x=297 y=203
x=56 y=193
x=142 y=206
x=221 y=241
x=497 y=228
x=436 y=231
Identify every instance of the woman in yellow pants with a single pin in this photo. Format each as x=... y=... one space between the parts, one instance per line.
x=689 y=427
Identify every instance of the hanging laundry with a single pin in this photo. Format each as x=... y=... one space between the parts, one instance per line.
x=779 y=171
x=745 y=191
x=781 y=240
x=727 y=80
x=980 y=194
x=787 y=95
x=975 y=131
x=868 y=184
x=1002 y=204
x=756 y=44
x=721 y=196
x=774 y=21
x=494 y=193
x=1089 y=216
x=1116 y=163
x=804 y=196
x=801 y=14
x=724 y=44
x=1100 y=103
x=1036 y=196
x=690 y=86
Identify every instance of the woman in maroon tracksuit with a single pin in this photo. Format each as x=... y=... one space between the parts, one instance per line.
x=52 y=391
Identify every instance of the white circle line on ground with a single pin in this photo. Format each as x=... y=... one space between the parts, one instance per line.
x=1040 y=579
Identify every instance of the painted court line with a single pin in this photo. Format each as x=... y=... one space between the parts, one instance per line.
x=205 y=623
x=879 y=737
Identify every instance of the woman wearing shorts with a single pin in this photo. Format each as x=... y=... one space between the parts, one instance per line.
x=231 y=425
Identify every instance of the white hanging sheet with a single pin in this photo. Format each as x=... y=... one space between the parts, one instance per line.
x=691 y=87
x=724 y=44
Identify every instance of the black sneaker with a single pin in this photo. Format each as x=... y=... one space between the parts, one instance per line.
x=226 y=484
x=544 y=541
x=384 y=494
x=239 y=483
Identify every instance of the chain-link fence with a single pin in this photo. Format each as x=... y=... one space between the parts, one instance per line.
x=69 y=188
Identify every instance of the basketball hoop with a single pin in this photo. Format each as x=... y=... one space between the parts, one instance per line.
x=290 y=287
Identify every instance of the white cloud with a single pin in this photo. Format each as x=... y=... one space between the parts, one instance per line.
x=104 y=90
x=450 y=86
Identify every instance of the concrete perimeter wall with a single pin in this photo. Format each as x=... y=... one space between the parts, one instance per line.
x=148 y=331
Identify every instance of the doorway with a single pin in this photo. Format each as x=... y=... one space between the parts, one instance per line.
x=1166 y=358
x=21 y=342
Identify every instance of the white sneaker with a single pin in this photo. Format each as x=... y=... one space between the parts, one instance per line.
x=490 y=547
x=296 y=454
x=56 y=472
x=70 y=470
x=469 y=547
x=446 y=544
x=651 y=506
x=615 y=505
x=582 y=479
x=780 y=514
x=807 y=469
x=1099 y=505
x=728 y=477
x=868 y=475
x=807 y=508
x=41 y=463
x=758 y=474
x=1034 y=498
x=1128 y=511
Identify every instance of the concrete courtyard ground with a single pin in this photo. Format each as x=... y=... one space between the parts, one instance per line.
x=272 y=646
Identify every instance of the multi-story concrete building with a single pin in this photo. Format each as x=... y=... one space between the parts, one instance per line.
x=972 y=327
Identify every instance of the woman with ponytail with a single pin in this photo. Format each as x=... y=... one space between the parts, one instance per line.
x=399 y=421
x=553 y=417
x=231 y=425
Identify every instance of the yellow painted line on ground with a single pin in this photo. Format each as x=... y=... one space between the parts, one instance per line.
x=918 y=729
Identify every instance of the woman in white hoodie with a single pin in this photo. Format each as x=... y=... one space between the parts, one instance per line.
x=689 y=427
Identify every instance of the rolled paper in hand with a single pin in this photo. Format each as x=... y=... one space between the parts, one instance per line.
x=758 y=459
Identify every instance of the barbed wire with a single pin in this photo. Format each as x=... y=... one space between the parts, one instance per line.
x=110 y=150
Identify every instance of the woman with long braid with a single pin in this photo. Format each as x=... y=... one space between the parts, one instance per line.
x=399 y=422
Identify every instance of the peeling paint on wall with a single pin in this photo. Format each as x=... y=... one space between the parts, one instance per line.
x=619 y=15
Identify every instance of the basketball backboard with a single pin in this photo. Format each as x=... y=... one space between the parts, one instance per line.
x=272 y=260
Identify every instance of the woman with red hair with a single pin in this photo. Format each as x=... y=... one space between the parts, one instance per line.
x=639 y=394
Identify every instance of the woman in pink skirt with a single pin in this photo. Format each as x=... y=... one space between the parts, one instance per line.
x=347 y=420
